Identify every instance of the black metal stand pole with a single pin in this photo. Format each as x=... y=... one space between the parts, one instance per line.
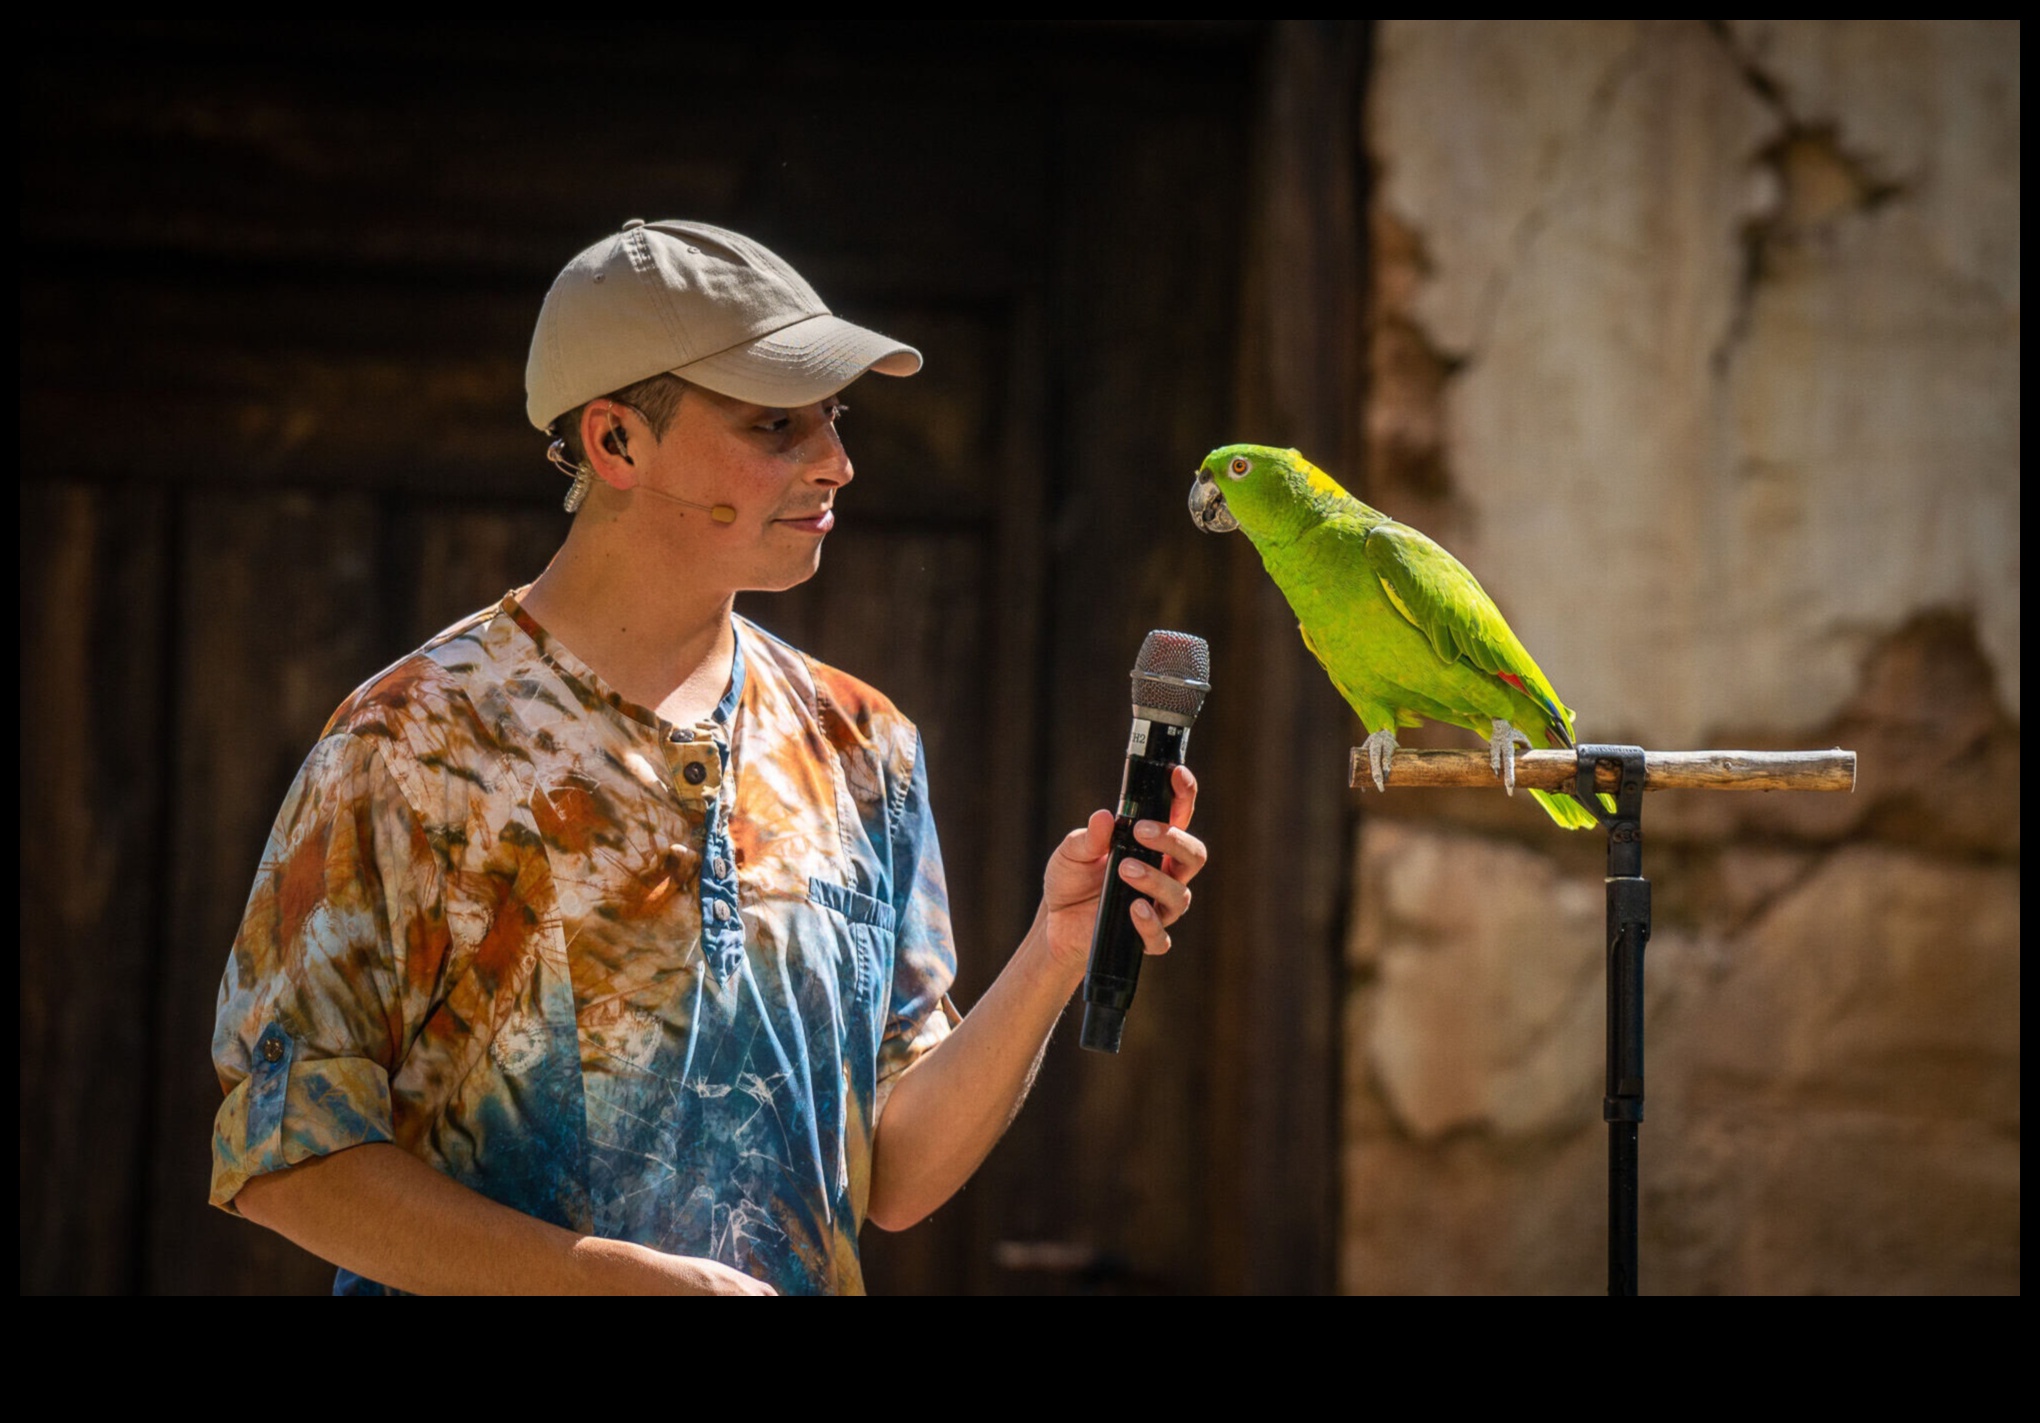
x=1628 y=932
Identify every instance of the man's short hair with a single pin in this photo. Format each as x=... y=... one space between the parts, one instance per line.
x=657 y=399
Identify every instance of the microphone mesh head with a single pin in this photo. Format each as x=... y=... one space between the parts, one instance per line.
x=1172 y=673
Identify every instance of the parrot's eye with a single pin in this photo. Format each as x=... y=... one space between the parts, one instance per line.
x=1239 y=466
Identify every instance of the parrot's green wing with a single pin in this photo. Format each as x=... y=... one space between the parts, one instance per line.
x=1446 y=603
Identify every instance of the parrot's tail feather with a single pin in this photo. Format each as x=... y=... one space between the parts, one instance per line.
x=1569 y=813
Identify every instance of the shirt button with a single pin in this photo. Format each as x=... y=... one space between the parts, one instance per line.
x=722 y=911
x=272 y=1048
x=694 y=773
x=722 y=868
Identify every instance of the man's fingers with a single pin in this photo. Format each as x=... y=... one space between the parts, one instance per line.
x=1098 y=834
x=1171 y=895
x=1089 y=842
x=1183 y=856
x=1184 y=805
x=1154 y=939
x=1185 y=853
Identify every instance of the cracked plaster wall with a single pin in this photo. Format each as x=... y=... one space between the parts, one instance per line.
x=1698 y=341
x=1816 y=447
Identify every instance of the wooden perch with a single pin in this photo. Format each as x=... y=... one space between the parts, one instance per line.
x=1662 y=770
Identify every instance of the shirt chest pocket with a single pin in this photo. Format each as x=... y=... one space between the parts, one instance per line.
x=871 y=926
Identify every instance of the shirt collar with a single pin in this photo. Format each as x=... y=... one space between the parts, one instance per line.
x=726 y=709
x=562 y=660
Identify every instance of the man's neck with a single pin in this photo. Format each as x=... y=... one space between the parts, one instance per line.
x=658 y=642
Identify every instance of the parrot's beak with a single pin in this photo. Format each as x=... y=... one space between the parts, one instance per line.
x=1207 y=506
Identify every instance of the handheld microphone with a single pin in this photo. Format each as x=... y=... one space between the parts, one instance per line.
x=1170 y=678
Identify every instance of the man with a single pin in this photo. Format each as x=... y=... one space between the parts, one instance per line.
x=603 y=943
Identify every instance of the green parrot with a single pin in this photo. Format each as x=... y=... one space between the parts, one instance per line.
x=1405 y=632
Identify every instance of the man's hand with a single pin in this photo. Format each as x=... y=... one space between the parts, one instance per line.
x=1076 y=877
x=950 y=1107
x=641 y=1270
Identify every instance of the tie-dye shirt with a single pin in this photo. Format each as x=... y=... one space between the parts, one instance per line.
x=647 y=982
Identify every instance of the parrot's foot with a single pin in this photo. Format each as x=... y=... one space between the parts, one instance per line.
x=1380 y=749
x=1502 y=752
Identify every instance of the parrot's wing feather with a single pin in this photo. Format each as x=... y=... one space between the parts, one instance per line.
x=1446 y=603
x=1441 y=599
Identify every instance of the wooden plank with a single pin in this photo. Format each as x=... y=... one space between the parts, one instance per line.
x=244 y=380
x=278 y=605
x=93 y=743
x=443 y=560
x=1107 y=1165
x=350 y=383
x=1273 y=1153
x=1014 y=832
x=371 y=147
x=202 y=144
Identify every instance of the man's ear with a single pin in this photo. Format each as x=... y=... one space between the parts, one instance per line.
x=610 y=433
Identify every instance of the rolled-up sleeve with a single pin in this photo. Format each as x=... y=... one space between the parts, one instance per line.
x=924 y=957
x=345 y=917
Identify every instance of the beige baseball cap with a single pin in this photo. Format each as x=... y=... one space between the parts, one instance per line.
x=703 y=303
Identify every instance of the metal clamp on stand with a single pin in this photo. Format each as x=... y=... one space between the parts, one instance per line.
x=1628 y=932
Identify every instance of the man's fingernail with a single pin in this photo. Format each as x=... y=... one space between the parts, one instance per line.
x=1140 y=907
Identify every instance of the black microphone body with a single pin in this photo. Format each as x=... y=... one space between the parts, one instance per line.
x=1146 y=792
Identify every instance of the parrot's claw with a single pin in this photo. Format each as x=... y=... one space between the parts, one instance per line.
x=1381 y=749
x=1502 y=752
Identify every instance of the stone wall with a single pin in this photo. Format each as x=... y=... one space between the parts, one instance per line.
x=1698 y=341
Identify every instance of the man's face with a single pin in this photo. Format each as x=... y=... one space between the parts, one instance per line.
x=779 y=469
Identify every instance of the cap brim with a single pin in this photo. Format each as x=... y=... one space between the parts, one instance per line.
x=799 y=364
